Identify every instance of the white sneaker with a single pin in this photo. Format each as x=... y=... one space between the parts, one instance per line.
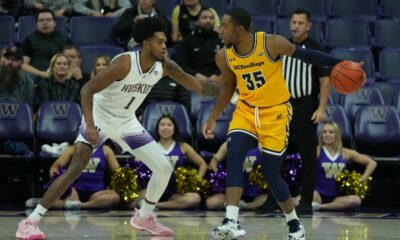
x=230 y=229
x=72 y=205
x=296 y=230
x=32 y=202
x=315 y=206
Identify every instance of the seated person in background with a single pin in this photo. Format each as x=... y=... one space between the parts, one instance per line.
x=59 y=85
x=332 y=158
x=59 y=7
x=184 y=17
x=167 y=135
x=96 y=8
x=74 y=58
x=100 y=63
x=39 y=46
x=115 y=8
x=88 y=190
x=253 y=196
x=10 y=7
x=122 y=30
x=196 y=53
x=15 y=85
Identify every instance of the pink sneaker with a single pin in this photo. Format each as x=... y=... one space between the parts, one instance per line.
x=29 y=230
x=151 y=225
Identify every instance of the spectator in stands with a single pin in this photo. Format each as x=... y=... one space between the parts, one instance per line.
x=74 y=58
x=59 y=7
x=253 y=196
x=184 y=17
x=115 y=8
x=98 y=8
x=122 y=30
x=15 y=84
x=59 y=85
x=100 y=63
x=10 y=7
x=167 y=135
x=41 y=45
x=332 y=158
x=196 y=53
x=88 y=190
x=86 y=8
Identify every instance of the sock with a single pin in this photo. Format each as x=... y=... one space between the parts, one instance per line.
x=146 y=210
x=291 y=216
x=38 y=213
x=232 y=212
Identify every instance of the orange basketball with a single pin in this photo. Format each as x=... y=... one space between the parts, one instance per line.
x=347 y=77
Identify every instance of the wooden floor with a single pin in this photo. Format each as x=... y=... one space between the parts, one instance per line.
x=195 y=225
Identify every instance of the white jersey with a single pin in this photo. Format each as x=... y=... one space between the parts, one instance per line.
x=123 y=97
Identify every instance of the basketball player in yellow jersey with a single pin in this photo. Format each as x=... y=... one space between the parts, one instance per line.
x=252 y=63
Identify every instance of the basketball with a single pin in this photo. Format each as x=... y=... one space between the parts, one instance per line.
x=347 y=77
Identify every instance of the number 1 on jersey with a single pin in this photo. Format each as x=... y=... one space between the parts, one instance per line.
x=130 y=102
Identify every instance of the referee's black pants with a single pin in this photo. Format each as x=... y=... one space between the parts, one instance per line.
x=303 y=139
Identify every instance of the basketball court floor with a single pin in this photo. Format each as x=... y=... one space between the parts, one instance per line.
x=195 y=225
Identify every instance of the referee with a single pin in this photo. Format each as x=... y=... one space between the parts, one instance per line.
x=304 y=82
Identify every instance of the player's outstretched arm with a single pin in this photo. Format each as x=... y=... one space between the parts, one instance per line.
x=225 y=95
x=278 y=45
x=173 y=70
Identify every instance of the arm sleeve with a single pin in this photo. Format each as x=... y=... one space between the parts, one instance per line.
x=27 y=48
x=315 y=57
x=322 y=71
x=43 y=90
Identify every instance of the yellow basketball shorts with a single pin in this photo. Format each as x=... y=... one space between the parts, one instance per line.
x=270 y=125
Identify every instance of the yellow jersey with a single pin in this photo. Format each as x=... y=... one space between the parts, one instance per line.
x=259 y=78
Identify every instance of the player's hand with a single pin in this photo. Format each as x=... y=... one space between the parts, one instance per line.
x=208 y=128
x=92 y=135
x=318 y=116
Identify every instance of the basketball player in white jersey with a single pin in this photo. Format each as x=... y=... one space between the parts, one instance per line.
x=109 y=102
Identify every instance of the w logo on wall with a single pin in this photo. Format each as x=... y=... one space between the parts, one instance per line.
x=166 y=109
x=363 y=95
x=329 y=110
x=60 y=109
x=8 y=110
x=378 y=113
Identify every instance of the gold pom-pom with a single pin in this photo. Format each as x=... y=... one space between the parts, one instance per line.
x=256 y=177
x=188 y=180
x=124 y=182
x=350 y=184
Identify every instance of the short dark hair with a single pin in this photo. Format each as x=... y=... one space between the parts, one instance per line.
x=145 y=28
x=241 y=17
x=72 y=46
x=302 y=11
x=176 y=135
x=45 y=10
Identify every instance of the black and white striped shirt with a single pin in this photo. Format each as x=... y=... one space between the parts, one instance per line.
x=302 y=79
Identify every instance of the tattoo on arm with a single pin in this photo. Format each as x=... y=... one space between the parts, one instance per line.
x=172 y=66
x=210 y=89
